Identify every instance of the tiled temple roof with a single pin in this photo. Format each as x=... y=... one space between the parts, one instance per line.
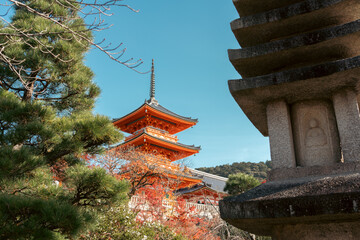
x=193 y=147
x=162 y=109
x=153 y=104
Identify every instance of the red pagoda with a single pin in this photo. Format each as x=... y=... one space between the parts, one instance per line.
x=152 y=128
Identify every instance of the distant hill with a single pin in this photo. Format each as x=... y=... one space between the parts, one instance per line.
x=258 y=170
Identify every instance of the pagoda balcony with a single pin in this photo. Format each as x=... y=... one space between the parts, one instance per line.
x=139 y=202
x=160 y=163
x=163 y=163
x=167 y=166
x=156 y=132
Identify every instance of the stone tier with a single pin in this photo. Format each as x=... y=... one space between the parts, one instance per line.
x=297 y=18
x=316 y=47
x=319 y=81
x=322 y=207
x=300 y=63
x=251 y=7
x=284 y=174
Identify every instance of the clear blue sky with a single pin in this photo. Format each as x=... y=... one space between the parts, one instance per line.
x=188 y=40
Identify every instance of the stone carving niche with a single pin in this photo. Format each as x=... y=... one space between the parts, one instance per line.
x=315 y=133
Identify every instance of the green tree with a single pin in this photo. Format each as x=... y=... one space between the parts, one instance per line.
x=119 y=223
x=258 y=170
x=60 y=14
x=239 y=183
x=46 y=101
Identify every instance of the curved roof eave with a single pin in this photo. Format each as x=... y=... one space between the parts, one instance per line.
x=167 y=111
x=192 y=147
x=116 y=119
x=159 y=108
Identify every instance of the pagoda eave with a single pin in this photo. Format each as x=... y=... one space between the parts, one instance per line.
x=147 y=113
x=176 y=150
x=200 y=190
x=184 y=181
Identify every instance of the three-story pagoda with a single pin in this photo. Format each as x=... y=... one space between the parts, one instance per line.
x=152 y=128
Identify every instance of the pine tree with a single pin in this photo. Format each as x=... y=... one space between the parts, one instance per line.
x=239 y=183
x=51 y=61
x=46 y=100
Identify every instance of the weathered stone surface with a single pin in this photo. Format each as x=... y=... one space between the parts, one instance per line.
x=329 y=44
x=333 y=231
x=294 y=19
x=251 y=7
x=348 y=121
x=315 y=133
x=317 y=200
x=300 y=63
x=280 y=132
x=284 y=174
x=314 y=82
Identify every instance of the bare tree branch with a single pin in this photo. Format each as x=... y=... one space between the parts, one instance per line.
x=96 y=7
x=12 y=35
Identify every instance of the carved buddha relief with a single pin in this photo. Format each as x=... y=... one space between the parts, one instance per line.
x=315 y=134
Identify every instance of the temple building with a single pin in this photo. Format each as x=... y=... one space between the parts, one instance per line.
x=210 y=191
x=152 y=128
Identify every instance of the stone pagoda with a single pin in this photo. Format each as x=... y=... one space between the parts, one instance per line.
x=300 y=68
x=152 y=128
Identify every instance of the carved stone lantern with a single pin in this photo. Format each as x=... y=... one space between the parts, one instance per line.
x=300 y=68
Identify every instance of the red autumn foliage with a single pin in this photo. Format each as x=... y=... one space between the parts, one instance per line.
x=139 y=168
x=58 y=169
x=151 y=185
x=160 y=205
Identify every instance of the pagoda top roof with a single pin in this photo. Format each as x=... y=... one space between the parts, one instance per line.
x=179 y=122
x=153 y=108
x=155 y=105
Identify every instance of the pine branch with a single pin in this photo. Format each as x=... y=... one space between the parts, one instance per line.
x=95 y=8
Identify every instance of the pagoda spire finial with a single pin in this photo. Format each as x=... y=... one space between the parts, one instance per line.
x=152 y=86
x=152 y=83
